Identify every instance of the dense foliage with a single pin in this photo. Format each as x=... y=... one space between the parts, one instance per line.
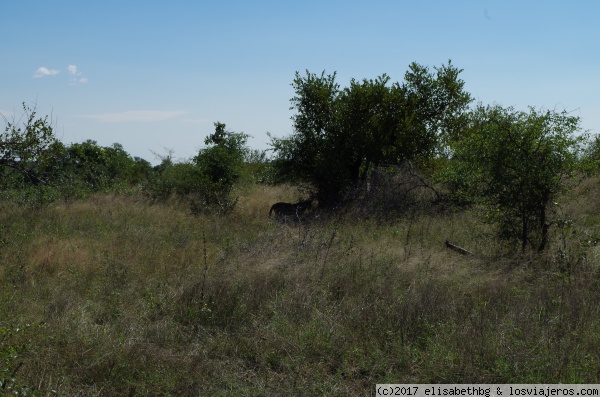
x=36 y=168
x=207 y=180
x=516 y=163
x=220 y=165
x=342 y=135
x=24 y=148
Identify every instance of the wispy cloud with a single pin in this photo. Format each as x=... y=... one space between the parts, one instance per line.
x=144 y=116
x=76 y=75
x=44 y=72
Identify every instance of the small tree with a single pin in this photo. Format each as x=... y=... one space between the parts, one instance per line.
x=517 y=163
x=24 y=143
x=220 y=165
x=591 y=156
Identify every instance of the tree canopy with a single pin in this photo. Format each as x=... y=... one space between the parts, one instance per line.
x=342 y=135
x=24 y=145
x=516 y=163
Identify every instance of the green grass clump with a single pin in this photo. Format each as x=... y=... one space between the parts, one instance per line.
x=138 y=298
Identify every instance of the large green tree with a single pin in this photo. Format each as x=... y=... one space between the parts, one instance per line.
x=342 y=135
x=516 y=163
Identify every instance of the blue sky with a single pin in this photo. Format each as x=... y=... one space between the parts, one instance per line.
x=155 y=75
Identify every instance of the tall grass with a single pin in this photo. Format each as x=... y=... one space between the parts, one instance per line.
x=134 y=298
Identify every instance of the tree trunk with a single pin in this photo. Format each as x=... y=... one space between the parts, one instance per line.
x=543 y=217
x=525 y=228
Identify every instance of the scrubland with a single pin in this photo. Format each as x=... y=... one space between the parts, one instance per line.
x=116 y=295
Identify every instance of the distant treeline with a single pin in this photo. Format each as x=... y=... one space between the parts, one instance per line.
x=513 y=163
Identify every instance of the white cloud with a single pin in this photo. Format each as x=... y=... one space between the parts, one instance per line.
x=43 y=72
x=144 y=116
x=77 y=76
x=78 y=80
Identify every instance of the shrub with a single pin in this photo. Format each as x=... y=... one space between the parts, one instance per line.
x=516 y=164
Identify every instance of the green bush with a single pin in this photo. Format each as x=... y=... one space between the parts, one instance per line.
x=516 y=164
x=207 y=180
x=221 y=166
x=180 y=179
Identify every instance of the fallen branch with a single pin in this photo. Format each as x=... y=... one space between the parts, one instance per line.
x=458 y=249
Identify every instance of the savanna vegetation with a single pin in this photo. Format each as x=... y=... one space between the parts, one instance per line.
x=122 y=278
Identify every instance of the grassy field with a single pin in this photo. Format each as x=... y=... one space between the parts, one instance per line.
x=117 y=296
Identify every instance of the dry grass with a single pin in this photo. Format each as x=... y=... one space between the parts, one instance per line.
x=255 y=202
x=145 y=299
